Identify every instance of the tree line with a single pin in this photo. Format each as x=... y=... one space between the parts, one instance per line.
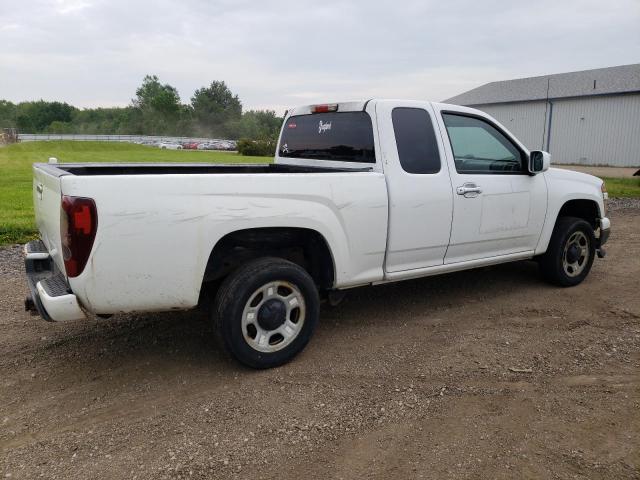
x=213 y=112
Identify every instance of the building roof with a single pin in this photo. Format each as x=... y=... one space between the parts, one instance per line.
x=601 y=81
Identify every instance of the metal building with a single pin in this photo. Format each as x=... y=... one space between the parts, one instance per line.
x=582 y=118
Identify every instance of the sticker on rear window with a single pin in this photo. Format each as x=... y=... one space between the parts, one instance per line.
x=323 y=127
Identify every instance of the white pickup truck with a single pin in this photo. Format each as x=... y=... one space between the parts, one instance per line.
x=360 y=193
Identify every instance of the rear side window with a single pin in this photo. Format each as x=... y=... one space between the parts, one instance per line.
x=338 y=136
x=416 y=140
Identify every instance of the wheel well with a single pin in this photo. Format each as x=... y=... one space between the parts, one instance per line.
x=585 y=209
x=303 y=246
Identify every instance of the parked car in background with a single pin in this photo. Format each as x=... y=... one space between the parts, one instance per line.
x=217 y=145
x=170 y=146
x=227 y=145
x=190 y=145
x=213 y=145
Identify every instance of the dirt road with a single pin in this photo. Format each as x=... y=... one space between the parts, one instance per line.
x=421 y=379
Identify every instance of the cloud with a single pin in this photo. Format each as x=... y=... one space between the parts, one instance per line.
x=276 y=54
x=70 y=6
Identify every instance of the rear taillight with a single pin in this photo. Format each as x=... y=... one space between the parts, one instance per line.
x=78 y=225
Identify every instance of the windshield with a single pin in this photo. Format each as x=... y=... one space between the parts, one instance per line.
x=338 y=136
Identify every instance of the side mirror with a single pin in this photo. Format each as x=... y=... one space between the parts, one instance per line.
x=539 y=161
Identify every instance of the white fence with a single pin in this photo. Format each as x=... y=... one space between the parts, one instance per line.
x=38 y=137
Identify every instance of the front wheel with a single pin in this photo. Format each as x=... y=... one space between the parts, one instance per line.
x=570 y=254
x=266 y=311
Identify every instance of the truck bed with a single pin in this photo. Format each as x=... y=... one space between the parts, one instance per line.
x=93 y=169
x=158 y=224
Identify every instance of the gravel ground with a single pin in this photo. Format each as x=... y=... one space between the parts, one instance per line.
x=621 y=204
x=11 y=260
x=482 y=374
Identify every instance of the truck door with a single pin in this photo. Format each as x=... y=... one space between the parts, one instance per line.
x=420 y=193
x=499 y=209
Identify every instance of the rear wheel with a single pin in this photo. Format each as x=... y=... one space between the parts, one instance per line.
x=266 y=311
x=570 y=254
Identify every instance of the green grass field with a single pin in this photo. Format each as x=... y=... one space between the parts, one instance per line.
x=623 y=187
x=16 y=205
x=16 y=208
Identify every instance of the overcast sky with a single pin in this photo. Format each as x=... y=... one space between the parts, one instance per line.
x=276 y=54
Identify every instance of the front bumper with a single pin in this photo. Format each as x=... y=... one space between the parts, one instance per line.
x=605 y=231
x=50 y=295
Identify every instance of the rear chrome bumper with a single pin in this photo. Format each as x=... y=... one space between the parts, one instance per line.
x=50 y=294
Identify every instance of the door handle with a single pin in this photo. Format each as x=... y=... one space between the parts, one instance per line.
x=469 y=190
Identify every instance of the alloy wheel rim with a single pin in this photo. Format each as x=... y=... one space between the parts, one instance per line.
x=273 y=316
x=575 y=255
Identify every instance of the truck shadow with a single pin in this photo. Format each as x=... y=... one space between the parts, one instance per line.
x=442 y=291
x=187 y=338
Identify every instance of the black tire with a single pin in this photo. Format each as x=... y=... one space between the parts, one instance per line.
x=233 y=297
x=554 y=264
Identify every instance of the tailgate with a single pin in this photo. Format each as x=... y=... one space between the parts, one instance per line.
x=46 y=204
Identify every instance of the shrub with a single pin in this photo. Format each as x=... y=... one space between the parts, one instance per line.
x=60 y=127
x=256 y=148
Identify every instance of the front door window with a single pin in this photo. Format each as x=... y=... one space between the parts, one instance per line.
x=478 y=147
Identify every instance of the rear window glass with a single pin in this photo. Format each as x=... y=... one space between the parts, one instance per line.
x=416 y=140
x=339 y=136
